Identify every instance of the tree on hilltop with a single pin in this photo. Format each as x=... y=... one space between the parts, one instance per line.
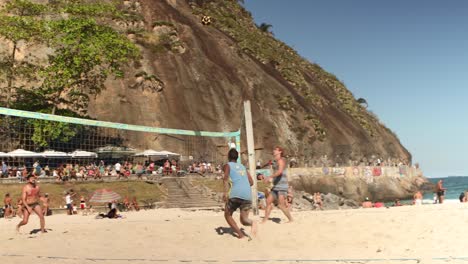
x=362 y=102
x=264 y=27
x=82 y=51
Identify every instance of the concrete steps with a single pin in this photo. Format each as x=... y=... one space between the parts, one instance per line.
x=181 y=194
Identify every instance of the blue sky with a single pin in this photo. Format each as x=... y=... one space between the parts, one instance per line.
x=408 y=59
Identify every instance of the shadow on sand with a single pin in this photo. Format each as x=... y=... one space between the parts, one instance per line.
x=227 y=230
x=35 y=231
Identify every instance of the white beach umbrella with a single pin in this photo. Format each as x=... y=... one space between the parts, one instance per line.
x=3 y=154
x=82 y=154
x=53 y=154
x=23 y=153
x=149 y=153
x=169 y=154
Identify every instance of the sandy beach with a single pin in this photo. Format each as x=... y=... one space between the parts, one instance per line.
x=407 y=234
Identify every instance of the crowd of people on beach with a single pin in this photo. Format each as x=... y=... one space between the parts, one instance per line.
x=119 y=170
x=237 y=194
x=33 y=201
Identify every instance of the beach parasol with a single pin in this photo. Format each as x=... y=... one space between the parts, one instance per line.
x=104 y=196
x=157 y=154
x=23 y=153
x=53 y=154
x=82 y=154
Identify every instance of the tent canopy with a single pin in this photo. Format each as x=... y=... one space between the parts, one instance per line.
x=82 y=154
x=23 y=153
x=53 y=154
x=157 y=154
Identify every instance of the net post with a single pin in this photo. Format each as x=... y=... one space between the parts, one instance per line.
x=251 y=153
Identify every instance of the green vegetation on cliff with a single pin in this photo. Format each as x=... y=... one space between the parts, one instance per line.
x=257 y=41
x=83 y=50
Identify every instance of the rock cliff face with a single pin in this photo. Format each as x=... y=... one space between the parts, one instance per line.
x=195 y=76
x=209 y=70
x=381 y=189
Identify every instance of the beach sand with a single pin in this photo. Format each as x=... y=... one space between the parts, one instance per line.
x=407 y=234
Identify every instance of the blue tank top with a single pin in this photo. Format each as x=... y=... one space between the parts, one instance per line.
x=280 y=183
x=240 y=186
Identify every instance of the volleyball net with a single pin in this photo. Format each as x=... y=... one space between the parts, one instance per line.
x=92 y=139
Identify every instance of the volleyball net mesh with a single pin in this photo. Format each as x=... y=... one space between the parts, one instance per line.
x=37 y=132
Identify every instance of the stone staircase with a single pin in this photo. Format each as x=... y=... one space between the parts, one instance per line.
x=181 y=194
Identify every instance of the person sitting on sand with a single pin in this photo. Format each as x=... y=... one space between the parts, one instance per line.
x=417 y=198
x=367 y=203
x=290 y=198
x=111 y=214
x=397 y=203
x=19 y=210
x=237 y=194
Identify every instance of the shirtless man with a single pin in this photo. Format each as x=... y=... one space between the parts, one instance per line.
x=440 y=192
x=30 y=197
x=8 y=207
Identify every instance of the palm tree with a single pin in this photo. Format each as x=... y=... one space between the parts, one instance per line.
x=264 y=27
x=363 y=102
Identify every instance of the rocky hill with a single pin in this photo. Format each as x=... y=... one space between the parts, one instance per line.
x=196 y=76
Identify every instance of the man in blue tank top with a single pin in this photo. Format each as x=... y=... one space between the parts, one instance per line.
x=237 y=194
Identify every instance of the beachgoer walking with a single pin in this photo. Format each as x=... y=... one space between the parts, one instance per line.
x=30 y=197
x=8 y=208
x=237 y=194
x=69 y=201
x=417 y=198
x=279 y=191
x=45 y=204
x=440 y=191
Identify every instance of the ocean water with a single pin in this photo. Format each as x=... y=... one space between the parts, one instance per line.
x=454 y=184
